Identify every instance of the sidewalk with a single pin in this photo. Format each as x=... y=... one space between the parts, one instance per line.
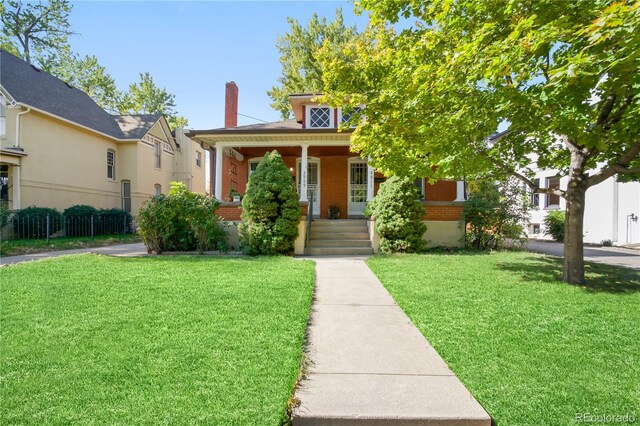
x=369 y=364
x=136 y=249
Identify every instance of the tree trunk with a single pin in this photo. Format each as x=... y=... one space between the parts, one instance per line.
x=574 y=219
x=573 y=241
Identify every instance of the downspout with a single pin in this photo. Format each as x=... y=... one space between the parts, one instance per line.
x=16 y=170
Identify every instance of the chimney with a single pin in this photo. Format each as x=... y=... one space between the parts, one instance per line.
x=231 y=105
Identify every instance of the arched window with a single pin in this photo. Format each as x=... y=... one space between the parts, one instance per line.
x=111 y=164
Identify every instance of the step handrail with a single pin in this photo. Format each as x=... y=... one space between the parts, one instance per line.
x=309 y=220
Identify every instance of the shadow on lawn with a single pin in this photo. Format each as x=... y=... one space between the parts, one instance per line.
x=600 y=278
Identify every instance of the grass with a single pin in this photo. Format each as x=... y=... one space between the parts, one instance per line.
x=94 y=339
x=29 y=246
x=531 y=349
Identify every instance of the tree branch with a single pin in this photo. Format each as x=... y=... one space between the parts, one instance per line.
x=618 y=115
x=606 y=109
x=620 y=166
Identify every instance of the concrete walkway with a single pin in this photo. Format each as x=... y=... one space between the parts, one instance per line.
x=136 y=249
x=369 y=364
x=616 y=256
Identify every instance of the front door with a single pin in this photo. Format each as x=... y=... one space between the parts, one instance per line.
x=313 y=183
x=357 y=187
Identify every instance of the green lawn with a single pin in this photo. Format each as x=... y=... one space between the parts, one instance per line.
x=106 y=340
x=532 y=350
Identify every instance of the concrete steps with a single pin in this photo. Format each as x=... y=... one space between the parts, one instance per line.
x=339 y=237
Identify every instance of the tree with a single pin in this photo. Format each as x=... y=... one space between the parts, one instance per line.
x=562 y=76
x=270 y=209
x=301 y=72
x=144 y=97
x=34 y=30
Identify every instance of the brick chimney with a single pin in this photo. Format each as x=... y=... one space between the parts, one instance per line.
x=231 y=105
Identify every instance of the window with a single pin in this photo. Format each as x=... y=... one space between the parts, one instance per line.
x=419 y=183
x=320 y=117
x=346 y=116
x=4 y=186
x=157 y=151
x=126 y=196
x=253 y=165
x=535 y=198
x=198 y=159
x=553 y=200
x=157 y=189
x=534 y=229
x=111 y=164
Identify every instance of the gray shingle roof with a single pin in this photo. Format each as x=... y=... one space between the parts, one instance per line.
x=30 y=86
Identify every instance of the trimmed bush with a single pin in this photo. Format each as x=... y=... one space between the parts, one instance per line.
x=180 y=221
x=4 y=217
x=554 y=224
x=114 y=222
x=77 y=221
x=31 y=222
x=495 y=213
x=270 y=209
x=398 y=215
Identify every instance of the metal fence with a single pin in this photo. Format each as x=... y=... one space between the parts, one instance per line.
x=44 y=228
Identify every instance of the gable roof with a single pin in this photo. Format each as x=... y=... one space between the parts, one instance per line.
x=30 y=86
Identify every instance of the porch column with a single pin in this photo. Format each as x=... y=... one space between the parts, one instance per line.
x=459 y=191
x=303 y=170
x=218 y=171
x=370 y=180
x=15 y=176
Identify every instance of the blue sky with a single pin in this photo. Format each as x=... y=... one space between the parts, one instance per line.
x=193 y=48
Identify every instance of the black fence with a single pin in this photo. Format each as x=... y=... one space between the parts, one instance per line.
x=47 y=227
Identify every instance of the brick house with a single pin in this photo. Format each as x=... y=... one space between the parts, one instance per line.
x=326 y=171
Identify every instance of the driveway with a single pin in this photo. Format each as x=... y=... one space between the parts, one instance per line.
x=608 y=255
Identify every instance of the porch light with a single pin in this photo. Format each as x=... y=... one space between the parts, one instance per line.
x=291 y=170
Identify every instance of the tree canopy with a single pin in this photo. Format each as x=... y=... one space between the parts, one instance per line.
x=439 y=77
x=301 y=71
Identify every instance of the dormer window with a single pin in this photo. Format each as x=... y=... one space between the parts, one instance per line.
x=346 y=116
x=320 y=117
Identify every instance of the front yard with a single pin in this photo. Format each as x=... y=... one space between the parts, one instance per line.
x=95 y=339
x=531 y=349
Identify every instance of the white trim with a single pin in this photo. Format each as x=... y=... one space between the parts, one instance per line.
x=281 y=143
x=460 y=191
x=361 y=106
x=233 y=154
x=316 y=205
x=354 y=160
x=307 y=116
x=218 y=171
x=250 y=161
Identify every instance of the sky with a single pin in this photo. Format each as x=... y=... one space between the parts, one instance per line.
x=194 y=48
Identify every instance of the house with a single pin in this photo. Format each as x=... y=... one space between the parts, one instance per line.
x=325 y=169
x=59 y=148
x=611 y=209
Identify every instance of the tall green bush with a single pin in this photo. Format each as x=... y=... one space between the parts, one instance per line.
x=5 y=213
x=270 y=209
x=398 y=215
x=180 y=221
x=114 y=222
x=554 y=224
x=31 y=222
x=495 y=213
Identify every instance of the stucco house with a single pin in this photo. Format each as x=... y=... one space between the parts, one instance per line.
x=327 y=173
x=59 y=148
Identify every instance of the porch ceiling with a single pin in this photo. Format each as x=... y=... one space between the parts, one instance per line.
x=276 y=139
x=294 y=151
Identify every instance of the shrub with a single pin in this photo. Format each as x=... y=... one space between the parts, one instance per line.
x=180 y=221
x=554 y=225
x=114 y=222
x=4 y=216
x=606 y=243
x=495 y=213
x=77 y=220
x=270 y=209
x=334 y=211
x=31 y=222
x=398 y=215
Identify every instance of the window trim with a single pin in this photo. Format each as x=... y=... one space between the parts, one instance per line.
x=157 y=189
x=307 y=123
x=340 y=116
x=256 y=160
x=3 y=117
x=198 y=159
x=547 y=203
x=157 y=154
x=423 y=193
x=123 y=198
x=113 y=166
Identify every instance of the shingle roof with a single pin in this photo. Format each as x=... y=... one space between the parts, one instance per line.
x=286 y=126
x=35 y=88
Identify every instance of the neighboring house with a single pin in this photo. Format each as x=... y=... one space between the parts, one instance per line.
x=321 y=162
x=58 y=148
x=611 y=208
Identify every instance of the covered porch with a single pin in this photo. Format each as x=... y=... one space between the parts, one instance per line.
x=10 y=161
